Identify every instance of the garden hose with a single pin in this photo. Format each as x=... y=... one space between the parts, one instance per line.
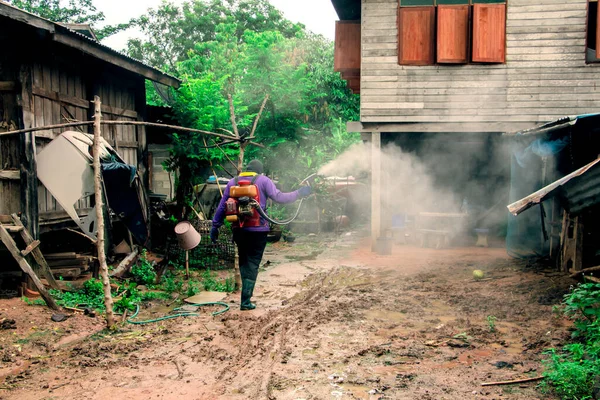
x=183 y=314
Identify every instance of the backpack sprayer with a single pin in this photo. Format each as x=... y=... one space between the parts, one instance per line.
x=243 y=206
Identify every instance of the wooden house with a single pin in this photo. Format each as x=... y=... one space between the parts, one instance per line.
x=464 y=70
x=49 y=72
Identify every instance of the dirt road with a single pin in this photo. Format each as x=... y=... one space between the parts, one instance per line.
x=334 y=322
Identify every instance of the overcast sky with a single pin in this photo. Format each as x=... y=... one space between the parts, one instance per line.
x=318 y=15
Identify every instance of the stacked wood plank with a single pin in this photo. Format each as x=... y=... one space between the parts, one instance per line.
x=69 y=265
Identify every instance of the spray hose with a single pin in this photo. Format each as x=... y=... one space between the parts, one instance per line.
x=263 y=213
x=181 y=314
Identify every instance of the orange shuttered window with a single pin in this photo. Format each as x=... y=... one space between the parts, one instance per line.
x=416 y=31
x=453 y=34
x=489 y=33
x=347 y=46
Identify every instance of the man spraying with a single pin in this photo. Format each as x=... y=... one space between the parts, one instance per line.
x=250 y=229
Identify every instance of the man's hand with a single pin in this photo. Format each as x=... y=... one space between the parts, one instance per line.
x=214 y=234
x=304 y=191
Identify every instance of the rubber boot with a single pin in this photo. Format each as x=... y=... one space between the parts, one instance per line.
x=247 y=290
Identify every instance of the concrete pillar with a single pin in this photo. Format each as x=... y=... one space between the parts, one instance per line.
x=375 y=188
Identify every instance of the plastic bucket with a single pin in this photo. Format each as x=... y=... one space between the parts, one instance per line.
x=187 y=236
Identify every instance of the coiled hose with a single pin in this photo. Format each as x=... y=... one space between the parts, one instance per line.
x=182 y=314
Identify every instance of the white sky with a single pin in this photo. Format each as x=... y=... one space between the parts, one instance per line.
x=318 y=15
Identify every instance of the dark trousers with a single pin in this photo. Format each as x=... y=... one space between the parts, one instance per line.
x=251 y=246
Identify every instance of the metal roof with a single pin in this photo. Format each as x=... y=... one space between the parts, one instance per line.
x=555 y=126
x=578 y=190
x=61 y=33
x=347 y=10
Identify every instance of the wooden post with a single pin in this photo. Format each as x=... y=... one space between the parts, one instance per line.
x=29 y=181
x=375 y=188
x=572 y=243
x=108 y=303
x=187 y=264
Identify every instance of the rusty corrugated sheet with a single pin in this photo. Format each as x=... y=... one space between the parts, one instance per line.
x=578 y=190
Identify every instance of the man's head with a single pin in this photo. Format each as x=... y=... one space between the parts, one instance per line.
x=255 y=166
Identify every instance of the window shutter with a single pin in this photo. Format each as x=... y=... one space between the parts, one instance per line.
x=452 y=34
x=347 y=46
x=489 y=33
x=416 y=30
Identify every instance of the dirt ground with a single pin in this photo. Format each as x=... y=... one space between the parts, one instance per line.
x=334 y=321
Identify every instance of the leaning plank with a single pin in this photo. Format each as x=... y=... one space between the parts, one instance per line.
x=36 y=252
x=12 y=247
x=124 y=265
x=586 y=271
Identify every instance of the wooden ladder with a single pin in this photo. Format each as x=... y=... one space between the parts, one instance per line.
x=11 y=225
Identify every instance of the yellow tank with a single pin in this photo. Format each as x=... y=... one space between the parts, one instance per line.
x=245 y=190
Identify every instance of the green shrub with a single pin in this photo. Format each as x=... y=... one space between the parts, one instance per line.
x=210 y=282
x=91 y=295
x=143 y=271
x=573 y=371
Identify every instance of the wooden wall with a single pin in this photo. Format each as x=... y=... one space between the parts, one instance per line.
x=9 y=145
x=545 y=75
x=62 y=94
x=57 y=85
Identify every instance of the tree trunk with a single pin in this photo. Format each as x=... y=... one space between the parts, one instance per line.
x=108 y=303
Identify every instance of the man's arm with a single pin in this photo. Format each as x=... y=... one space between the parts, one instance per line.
x=220 y=213
x=277 y=195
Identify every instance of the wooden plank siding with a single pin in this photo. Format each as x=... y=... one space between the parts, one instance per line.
x=545 y=75
x=62 y=94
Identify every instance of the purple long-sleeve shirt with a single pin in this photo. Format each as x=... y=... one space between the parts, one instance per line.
x=267 y=190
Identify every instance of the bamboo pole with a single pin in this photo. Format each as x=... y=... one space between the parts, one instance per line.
x=108 y=303
x=537 y=378
x=43 y=128
x=139 y=123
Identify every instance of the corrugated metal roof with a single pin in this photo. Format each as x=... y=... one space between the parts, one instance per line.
x=554 y=126
x=347 y=10
x=65 y=29
x=578 y=190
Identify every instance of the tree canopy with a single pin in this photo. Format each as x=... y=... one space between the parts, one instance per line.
x=73 y=11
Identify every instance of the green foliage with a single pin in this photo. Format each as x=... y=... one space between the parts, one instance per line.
x=491 y=321
x=210 y=282
x=170 y=31
x=170 y=283
x=192 y=288
x=73 y=11
x=583 y=306
x=143 y=271
x=91 y=295
x=130 y=297
x=246 y=49
x=572 y=371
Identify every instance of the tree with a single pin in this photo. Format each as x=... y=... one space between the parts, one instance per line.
x=246 y=49
x=75 y=11
x=171 y=31
x=307 y=100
